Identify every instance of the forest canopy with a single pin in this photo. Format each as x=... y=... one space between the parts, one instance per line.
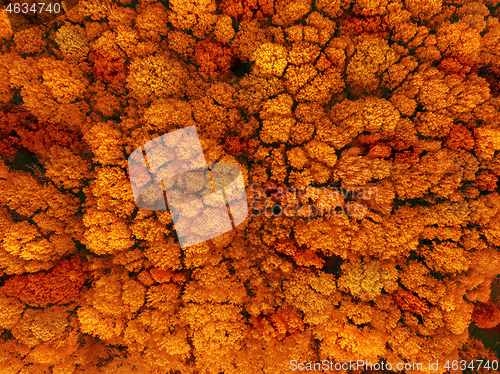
x=382 y=114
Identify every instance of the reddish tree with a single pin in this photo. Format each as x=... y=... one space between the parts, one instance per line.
x=20 y=129
x=9 y=145
x=237 y=145
x=108 y=69
x=487 y=181
x=404 y=151
x=60 y=285
x=356 y=24
x=486 y=315
x=247 y=9
x=408 y=302
x=457 y=65
x=301 y=255
x=380 y=151
x=460 y=137
x=279 y=324
x=397 y=149
x=214 y=58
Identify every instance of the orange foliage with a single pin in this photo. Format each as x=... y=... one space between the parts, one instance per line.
x=460 y=137
x=161 y=276
x=279 y=324
x=367 y=135
x=108 y=69
x=487 y=181
x=357 y=24
x=301 y=255
x=214 y=58
x=237 y=145
x=60 y=285
x=486 y=315
x=457 y=65
x=399 y=150
x=273 y=190
x=408 y=302
x=247 y=9
x=22 y=129
x=9 y=144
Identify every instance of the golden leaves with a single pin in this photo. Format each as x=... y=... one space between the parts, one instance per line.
x=66 y=82
x=66 y=169
x=72 y=41
x=224 y=31
x=277 y=123
x=156 y=76
x=11 y=310
x=411 y=117
x=106 y=232
x=321 y=152
x=371 y=58
x=366 y=280
x=271 y=59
